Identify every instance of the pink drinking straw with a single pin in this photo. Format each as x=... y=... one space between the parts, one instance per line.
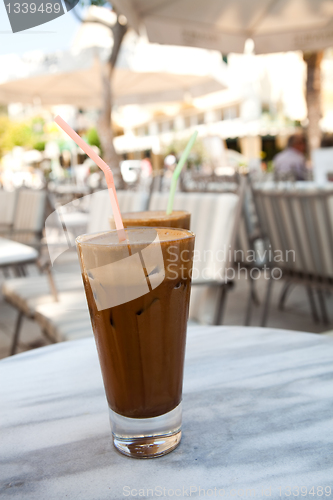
x=106 y=171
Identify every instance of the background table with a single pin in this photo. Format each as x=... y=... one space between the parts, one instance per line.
x=13 y=253
x=257 y=413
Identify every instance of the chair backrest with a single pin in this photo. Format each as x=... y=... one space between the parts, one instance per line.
x=7 y=207
x=29 y=215
x=293 y=186
x=101 y=211
x=214 y=220
x=248 y=233
x=299 y=226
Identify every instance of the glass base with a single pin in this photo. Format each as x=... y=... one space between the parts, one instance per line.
x=147 y=437
x=147 y=447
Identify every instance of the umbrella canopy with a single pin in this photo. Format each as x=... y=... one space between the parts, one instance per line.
x=76 y=80
x=274 y=25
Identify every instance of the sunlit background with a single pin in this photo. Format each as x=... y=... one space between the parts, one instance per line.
x=135 y=83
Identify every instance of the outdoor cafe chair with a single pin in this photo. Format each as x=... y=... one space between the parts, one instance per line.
x=248 y=243
x=66 y=320
x=7 y=209
x=25 y=294
x=91 y=213
x=29 y=216
x=101 y=211
x=59 y=289
x=22 y=219
x=298 y=225
x=214 y=220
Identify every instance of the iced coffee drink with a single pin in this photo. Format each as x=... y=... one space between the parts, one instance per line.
x=138 y=295
x=155 y=218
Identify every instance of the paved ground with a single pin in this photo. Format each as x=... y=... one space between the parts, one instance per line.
x=295 y=316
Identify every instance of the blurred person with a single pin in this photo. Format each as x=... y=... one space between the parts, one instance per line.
x=146 y=172
x=146 y=167
x=169 y=165
x=290 y=164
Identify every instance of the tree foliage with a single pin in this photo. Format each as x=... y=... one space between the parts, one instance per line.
x=92 y=138
x=198 y=155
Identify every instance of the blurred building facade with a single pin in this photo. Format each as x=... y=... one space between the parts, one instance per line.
x=263 y=104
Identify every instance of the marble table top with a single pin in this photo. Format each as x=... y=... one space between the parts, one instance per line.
x=257 y=421
x=12 y=252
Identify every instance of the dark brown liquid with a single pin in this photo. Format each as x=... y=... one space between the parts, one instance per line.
x=141 y=344
x=155 y=218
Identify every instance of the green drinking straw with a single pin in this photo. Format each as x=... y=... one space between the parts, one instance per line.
x=177 y=171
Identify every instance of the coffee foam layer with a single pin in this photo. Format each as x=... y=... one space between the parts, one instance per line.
x=153 y=214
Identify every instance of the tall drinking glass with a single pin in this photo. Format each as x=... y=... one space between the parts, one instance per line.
x=138 y=295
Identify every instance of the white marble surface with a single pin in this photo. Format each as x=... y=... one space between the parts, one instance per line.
x=12 y=252
x=258 y=408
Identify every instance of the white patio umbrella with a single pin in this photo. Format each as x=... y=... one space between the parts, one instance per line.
x=274 y=25
x=225 y=25
x=75 y=79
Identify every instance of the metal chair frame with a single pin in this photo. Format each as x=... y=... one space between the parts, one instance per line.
x=301 y=221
